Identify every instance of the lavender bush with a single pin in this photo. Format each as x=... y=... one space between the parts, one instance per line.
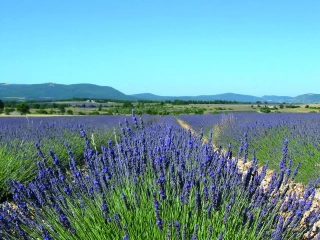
x=156 y=182
x=17 y=135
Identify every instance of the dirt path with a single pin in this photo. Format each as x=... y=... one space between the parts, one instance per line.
x=186 y=126
x=298 y=188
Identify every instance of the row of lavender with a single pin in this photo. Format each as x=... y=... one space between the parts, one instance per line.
x=18 y=134
x=265 y=133
x=156 y=182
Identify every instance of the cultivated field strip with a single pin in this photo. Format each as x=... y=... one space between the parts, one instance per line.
x=243 y=166
x=161 y=176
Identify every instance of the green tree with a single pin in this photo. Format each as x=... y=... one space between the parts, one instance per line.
x=52 y=111
x=36 y=106
x=43 y=106
x=41 y=111
x=265 y=110
x=1 y=105
x=7 y=111
x=70 y=112
x=180 y=102
x=23 y=108
x=127 y=105
x=62 y=109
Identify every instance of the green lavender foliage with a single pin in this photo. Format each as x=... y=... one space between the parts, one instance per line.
x=265 y=133
x=158 y=183
x=18 y=155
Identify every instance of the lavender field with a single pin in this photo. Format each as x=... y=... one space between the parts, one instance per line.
x=116 y=177
x=266 y=134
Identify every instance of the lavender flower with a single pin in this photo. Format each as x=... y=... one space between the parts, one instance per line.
x=221 y=236
x=195 y=233
x=178 y=230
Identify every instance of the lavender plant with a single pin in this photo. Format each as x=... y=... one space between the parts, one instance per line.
x=157 y=182
x=17 y=135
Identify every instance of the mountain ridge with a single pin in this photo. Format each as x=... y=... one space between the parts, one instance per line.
x=56 y=91
x=60 y=91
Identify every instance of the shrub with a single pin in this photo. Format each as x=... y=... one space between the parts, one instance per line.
x=292 y=106
x=52 y=111
x=265 y=110
x=7 y=110
x=41 y=111
x=23 y=108
x=94 y=113
x=1 y=105
x=69 y=112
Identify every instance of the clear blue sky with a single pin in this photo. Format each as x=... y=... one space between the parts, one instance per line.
x=167 y=47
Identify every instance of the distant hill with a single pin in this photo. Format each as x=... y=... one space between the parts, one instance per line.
x=150 y=96
x=224 y=96
x=307 y=98
x=59 y=91
x=279 y=99
x=230 y=97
